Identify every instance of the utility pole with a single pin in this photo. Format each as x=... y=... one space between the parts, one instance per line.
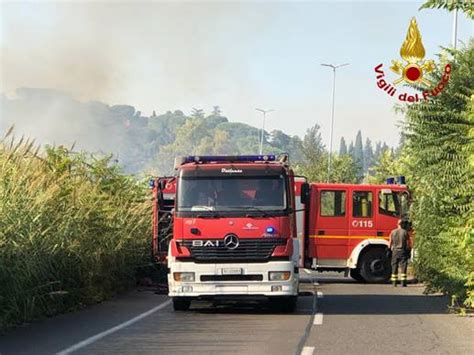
x=263 y=126
x=334 y=67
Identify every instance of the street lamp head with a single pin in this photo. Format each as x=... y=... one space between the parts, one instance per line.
x=334 y=66
x=264 y=111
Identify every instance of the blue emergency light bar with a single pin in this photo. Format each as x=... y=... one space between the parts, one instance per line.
x=151 y=183
x=229 y=158
x=400 y=180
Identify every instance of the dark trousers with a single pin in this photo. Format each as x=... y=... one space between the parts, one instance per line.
x=399 y=257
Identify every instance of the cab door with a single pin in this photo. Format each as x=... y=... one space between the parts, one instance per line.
x=362 y=214
x=331 y=228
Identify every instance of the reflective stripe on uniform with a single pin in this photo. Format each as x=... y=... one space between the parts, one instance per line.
x=403 y=276
x=394 y=277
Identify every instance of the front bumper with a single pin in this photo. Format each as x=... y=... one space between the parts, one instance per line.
x=206 y=289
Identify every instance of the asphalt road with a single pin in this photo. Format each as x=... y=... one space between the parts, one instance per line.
x=335 y=316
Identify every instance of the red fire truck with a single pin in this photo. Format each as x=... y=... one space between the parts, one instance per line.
x=347 y=227
x=240 y=226
x=230 y=230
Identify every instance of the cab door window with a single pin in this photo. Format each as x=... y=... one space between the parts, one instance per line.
x=362 y=204
x=389 y=204
x=333 y=203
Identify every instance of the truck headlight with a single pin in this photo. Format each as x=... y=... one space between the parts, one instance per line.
x=184 y=276
x=279 y=275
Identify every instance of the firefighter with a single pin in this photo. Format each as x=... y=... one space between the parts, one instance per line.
x=400 y=247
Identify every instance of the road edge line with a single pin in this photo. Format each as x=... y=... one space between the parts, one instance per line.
x=318 y=319
x=307 y=350
x=300 y=346
x=103 y=334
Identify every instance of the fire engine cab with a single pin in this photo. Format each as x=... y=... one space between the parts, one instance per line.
x=233 y=228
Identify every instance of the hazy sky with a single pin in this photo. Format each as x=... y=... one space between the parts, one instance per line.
x=239 y=55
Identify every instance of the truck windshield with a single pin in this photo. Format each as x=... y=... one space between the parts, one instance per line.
x=224 y=194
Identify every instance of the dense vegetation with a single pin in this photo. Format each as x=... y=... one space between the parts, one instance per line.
x=73 y=230
x=440 y=146
x=438 y=158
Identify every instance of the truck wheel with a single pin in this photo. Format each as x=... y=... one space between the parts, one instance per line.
x=355 y=274
x=375 y=267
x=284 y=304
x=181 y=304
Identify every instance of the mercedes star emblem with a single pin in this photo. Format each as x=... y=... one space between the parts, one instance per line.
x=231 y=241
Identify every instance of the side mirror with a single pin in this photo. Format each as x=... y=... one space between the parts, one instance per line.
x=304 y=193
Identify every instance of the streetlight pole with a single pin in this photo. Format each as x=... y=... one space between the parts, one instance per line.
x=263 y=126
x=455 y=28
x=334 y=67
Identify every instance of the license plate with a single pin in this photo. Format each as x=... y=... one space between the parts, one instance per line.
x=232 y=271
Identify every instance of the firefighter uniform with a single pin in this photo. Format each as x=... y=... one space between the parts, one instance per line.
x=400 y=254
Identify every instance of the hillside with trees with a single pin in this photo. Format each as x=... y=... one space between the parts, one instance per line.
x=149 y=144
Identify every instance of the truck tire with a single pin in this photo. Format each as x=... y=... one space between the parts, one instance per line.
x=181 y=304
x=375 y=267
x=284 y=304
x=355 y=274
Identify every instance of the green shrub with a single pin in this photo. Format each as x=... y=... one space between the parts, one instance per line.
x=73 y=230
x=440 y=157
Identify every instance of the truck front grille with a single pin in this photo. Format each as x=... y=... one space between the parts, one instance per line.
x=205 y=278
x=258 y=249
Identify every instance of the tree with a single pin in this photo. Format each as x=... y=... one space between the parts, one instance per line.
x=368 y=155
x=358 y=155
x=350 y=150
x=197 y=113
x=313 y=147
x=440 y=144
x=342 y=147
x=314 y=155
x=216 y=111
x=343 y=169
x=465 y=6
x=388 y=165
x=378 y=150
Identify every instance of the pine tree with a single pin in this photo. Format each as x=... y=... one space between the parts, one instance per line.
x=378 y=150
x=368 y=155
x=343 y=147
x=197 y=113
x=350 y=150
x=358 y=155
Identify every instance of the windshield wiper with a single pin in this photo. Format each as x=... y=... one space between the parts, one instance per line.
x=264 y=213
x=213 y=213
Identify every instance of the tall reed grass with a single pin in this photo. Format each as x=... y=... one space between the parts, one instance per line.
x=73 y=230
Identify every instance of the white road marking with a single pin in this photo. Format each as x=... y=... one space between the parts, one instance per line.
x=318 y=319
x=307 y=350
x=320 y=294
x=99 y=336
x=307 y=271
